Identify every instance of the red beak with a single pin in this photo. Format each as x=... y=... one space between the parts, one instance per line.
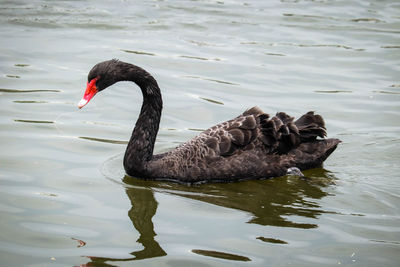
x=91 y=90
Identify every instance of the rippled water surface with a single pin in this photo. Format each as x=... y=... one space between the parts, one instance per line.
x=63 y=195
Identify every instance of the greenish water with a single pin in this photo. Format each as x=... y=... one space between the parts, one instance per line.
x=64 y=198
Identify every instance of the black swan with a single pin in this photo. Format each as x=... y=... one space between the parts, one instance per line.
x=250 y=146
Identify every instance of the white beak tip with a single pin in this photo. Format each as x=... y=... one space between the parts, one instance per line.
x=82 y=103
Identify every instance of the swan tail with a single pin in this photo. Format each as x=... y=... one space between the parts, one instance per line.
x=312 y=154
x=281 y=133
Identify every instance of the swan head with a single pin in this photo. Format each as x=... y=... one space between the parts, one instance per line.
x=101 y=76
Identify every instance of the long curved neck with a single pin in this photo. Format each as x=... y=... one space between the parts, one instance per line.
x=141 y=145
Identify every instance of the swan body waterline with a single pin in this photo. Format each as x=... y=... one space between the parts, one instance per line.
x=251 y=146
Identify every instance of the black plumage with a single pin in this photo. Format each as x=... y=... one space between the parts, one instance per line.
x=251 y=146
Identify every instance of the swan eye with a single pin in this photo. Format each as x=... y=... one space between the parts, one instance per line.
x=94 y=77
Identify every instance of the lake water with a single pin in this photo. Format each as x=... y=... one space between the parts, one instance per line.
x=64 y=198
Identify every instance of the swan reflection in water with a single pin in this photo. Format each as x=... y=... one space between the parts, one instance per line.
x=271 y=202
